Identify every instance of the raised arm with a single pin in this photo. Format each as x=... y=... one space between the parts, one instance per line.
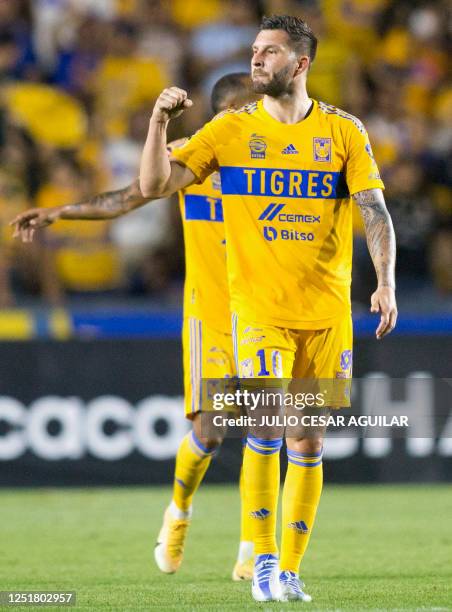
x=159 y=176
x=382 y=247
x=107 y=205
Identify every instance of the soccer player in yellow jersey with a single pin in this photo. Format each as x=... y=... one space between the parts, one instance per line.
x=289 y=167
x=207 y=342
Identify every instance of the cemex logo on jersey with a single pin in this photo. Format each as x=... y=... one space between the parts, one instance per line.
x=274 y=210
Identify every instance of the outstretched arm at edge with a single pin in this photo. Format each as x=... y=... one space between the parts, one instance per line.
x=107 y=205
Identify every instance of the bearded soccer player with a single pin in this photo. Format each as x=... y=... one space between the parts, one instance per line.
x=290 y=167
x=207 y=342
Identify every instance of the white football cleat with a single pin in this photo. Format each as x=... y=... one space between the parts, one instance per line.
x=265 y=585
x=292 y=588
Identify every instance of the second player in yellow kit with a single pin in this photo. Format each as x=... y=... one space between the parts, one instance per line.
x=206 y=336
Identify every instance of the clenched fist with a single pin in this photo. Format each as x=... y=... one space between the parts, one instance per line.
x=170 y=104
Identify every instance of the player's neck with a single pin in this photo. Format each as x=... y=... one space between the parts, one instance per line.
x=290 y=108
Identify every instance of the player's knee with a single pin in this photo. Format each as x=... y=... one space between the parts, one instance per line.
x=306 y=445
x=208 y=439
x=210 y=442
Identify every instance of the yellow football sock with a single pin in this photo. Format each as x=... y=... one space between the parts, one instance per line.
x=301 y=496
x=192 y=461
x=246 y=525
x=261 y=474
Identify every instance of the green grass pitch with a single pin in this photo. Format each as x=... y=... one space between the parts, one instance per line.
x=373 y=548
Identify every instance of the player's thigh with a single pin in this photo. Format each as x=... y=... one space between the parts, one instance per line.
x=323 y=364
x=207 y=359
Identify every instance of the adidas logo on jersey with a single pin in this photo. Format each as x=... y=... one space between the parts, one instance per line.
x=289 y=149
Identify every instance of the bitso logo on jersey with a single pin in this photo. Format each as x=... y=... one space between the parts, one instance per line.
x=257 y=146
x=270 y=233
x=322 y=149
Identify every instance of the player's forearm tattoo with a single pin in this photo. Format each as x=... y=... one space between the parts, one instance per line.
x=107 y=205
x=379 y=233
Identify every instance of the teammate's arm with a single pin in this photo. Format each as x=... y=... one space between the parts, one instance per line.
x=107 y=205
x=159 y=176
x=382 y=247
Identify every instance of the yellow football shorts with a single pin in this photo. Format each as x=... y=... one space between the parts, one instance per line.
x=294 y=355
x=207 y=357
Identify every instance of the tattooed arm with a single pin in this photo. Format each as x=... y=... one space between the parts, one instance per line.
x=382 y=247
x=107 y=205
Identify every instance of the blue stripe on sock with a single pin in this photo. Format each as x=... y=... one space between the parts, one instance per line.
x=262 y=451
x=303 y=464
x=277 y=443
x=204 y=449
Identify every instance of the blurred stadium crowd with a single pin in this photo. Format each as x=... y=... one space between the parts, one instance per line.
x=77 y=83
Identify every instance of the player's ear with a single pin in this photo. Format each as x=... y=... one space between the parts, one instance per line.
x=303 y=63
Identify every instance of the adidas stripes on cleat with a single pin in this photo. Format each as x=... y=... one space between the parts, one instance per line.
x=292 y=588
x=265 y=585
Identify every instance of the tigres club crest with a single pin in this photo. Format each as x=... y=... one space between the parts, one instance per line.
x=257 y=146
x=322 y=149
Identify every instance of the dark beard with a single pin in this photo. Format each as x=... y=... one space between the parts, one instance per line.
x=278 y=86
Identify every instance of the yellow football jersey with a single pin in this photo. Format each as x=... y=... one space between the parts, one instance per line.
x=287 y=209
x=206 y=294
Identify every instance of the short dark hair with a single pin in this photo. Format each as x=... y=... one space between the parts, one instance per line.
x=227 y=85
x=301 y=35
